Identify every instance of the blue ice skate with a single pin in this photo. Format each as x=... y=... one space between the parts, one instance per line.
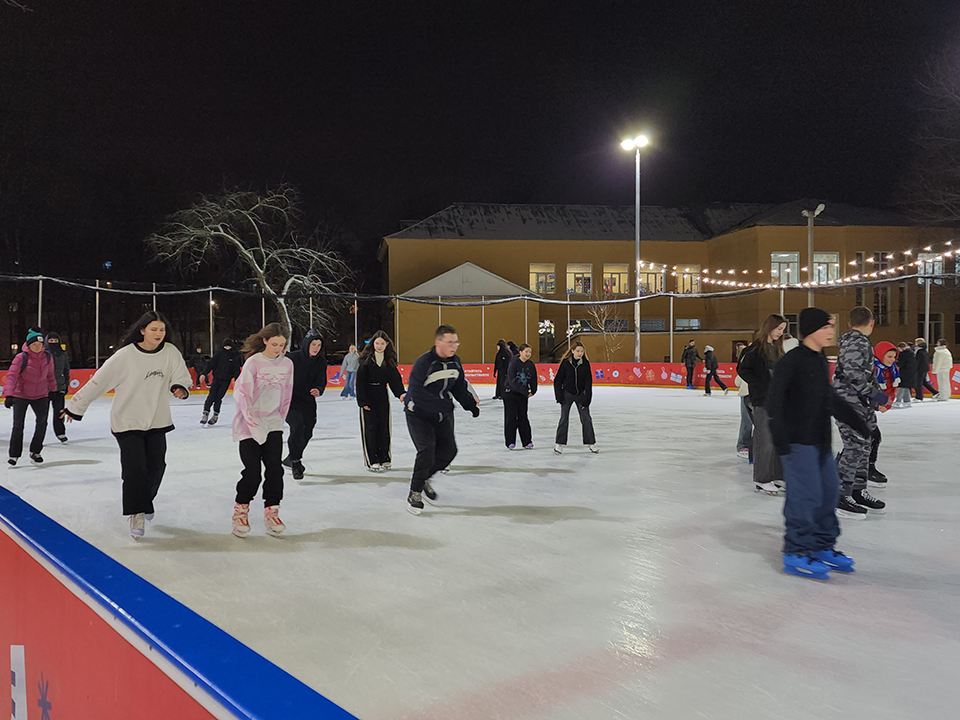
x=805 y=566
x=834 y=560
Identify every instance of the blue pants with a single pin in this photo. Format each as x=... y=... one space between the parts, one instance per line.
x=349 y=385
x=810 y=509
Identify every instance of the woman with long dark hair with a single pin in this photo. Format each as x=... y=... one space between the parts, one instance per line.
x=756 y=368
x=143 y=374
x=573 y=385
x=378 y=371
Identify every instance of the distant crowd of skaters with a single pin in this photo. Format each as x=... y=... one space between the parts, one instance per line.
x=274 y=388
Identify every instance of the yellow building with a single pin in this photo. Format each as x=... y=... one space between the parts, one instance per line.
x=586 y=253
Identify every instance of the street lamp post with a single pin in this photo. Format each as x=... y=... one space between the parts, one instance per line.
x=637 y=143
x=810 y=215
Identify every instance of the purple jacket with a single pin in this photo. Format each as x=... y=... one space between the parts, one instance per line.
x=32 y=380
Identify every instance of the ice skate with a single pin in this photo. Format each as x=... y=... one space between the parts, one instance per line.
x=594 y=449
x=414 y=502
x=936 y=396
x=781 y=484
x=12 y=461
x=271 y=519
x=834 y=560
x=214 y=418
x=297 y=470
x=287 y=462
x=241 y=519
x=62 y=438
x=528 y=446
x=429 y=494
x=849 y=509
x=386 y=465
x=726 y=391
x=136 y=526
x=872 y=504
x=375 y=468
x=805 y=566
x=558 y=449
x=511 y=446
x=35 y=458
x=743 y=453
x=707 y=394
x=877 y=478
x=768 y=488
x=203 y=418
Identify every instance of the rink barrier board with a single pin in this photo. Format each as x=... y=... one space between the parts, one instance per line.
x=83 y=636
x=623 y=374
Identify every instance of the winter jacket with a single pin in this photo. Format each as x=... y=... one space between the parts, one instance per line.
x=942 y=360
x=225 y=365
x=574 y=377
x=31 y=375
x=855 y=378
x=309 y=373
x=195 y=361
x=800 y=402
x=502 y=360
x=756 y=370
x=923 y=361
x=142 y=382
x=888 y=376
x=908 y=368
x=61 y=363
x=263 y=393
x=690 y=356
x=351 y=363
x=521 y=377
x=373 y=381
x=710 y=361
x=434 y=383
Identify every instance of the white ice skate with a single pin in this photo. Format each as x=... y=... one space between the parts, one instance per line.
x=768 y=488
x=558 y=449
x=271 y=519
x=241 y=519
x=136 y=526
x=594 y=449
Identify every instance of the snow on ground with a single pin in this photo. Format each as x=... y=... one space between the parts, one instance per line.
x=642 y=582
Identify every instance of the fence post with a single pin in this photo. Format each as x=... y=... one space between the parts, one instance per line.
x=211 y=327
x=396 y=326
x=671 y=328
x=40 y=305
x=154 y=297
x=356 y=323
x=96 y=352
x=483 y=330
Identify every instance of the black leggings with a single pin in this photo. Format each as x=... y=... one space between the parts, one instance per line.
x=716 y=378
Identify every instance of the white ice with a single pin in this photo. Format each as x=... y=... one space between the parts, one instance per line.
x=643 y=582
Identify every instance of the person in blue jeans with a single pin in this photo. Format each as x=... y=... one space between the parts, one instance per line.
x=349 y=368
x=800 y=403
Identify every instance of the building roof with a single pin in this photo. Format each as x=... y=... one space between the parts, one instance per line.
x=467 y=280
x=490 y=221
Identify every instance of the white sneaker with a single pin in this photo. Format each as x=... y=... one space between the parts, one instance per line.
x=136 y=526
x=768 y=488
x=594 y=449
x=271 y=519
x=241 y=519
x=558 y=449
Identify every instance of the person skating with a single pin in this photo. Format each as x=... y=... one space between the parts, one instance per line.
x=711 y=366
x=263 y=394
x=756 y=367
x=349 y=368
x=888 y=374
x=521 y=385
x=800 y=402
x=225 y=367
x=309 y=382
x=942 y=367
x=907 y=362
x=197 y=364
x=923 y=367
x=689 y=358
x=143 y=374
x=745 y=435
x=377 y=372
x=30 y=381
x=61 y=371
x=855 y=381
x=435 y=380
x=573 y=385
x=500 y=364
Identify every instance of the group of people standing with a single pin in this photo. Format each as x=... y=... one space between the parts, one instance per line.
x=913 y=366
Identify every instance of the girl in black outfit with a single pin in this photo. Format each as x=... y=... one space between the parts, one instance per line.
x=923 y=367
x=521 y=385
x=225 y=366
x=500 y=364
x=378 y=370
x=574 y=384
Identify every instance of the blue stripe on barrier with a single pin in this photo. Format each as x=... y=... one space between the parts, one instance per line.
x=245 y=683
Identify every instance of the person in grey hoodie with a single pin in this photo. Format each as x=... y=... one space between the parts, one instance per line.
x=711 y=366
x=349 y=368
x=61 y=372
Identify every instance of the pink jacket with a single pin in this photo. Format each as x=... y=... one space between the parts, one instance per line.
x=32 y=380
x=262 y=393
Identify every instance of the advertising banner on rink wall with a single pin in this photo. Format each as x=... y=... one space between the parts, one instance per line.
x=83 y=637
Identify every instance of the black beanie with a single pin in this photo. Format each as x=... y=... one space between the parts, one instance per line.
x=812 y=319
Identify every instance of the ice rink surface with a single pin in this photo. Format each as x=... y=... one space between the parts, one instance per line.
x=643 y=582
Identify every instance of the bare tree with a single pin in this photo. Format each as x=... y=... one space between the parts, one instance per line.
x=259 y=234
x=606 y=319
x=17 y=5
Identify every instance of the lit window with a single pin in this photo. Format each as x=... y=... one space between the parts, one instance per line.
x=651 y=282
x=616 y=279
x=826 y=266
x=785 y=268
x=543 y=278
x=688 y=279
x=930 y=264
x=580 y=279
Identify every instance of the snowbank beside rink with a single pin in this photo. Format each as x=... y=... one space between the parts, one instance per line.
x=81 y=636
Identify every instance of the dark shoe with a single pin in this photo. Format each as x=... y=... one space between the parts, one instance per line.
x=297 y=470
x=214 y=418
x=848 y=508
x=287 y=462
x=862 y=497
x=12 y=461
x=203 y=418
x=414 y=503
x=877 y=478
x=429 y=494
x=62 y=438
x=35 y=457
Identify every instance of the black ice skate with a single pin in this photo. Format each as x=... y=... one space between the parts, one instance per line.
x=35 y=457
x=297 y=470
x=862 y=497
x=214 y=418
x=848 y=508
x=429 y=494
x=414 y=502
x=877 y=478
x=203 y=420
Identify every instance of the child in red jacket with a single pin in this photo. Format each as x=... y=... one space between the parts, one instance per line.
x=885 y=356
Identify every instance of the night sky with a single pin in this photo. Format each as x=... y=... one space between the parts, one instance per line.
x=113 y=114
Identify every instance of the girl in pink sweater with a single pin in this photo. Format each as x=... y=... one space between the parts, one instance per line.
x=262 y=393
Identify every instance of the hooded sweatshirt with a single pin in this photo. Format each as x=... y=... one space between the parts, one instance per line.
x=31 y=375
x=888 y=376
x=61 y=362
x=262 y=393
x=309 y=373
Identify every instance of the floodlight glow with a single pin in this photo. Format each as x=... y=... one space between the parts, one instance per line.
x=628 y=145
x=641 y=141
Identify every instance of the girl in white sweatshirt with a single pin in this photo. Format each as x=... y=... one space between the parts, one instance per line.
x=142 y=373
x=262 y=393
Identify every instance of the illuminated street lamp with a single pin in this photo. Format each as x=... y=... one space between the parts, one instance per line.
x=628 y=145
x=810 y=215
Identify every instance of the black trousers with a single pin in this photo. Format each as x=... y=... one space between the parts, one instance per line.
x=436 y=447
x=375 y=432
x=253 y=455
x=501 y=383
x=515 y=418
x=215 y=395
x=690 y=369
x=57 y=403
x=40 y=409
x=302 y=418
x=585 y=420
x=875 y=441
x=922 y=383
x=142 y=463
x=716 y=378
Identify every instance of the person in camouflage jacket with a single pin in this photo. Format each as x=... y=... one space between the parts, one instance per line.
x=855 y=381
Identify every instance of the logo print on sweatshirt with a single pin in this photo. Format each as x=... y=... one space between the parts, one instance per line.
x=154 y=373
x=272 y=375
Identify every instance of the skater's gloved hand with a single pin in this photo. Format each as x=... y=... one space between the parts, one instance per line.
x=8 y=402
x=475 y=411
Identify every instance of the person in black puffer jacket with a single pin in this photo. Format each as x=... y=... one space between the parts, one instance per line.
x=309 y=382
x=377 y=371
x=923 y=367
x=574 y=384
x=225 y=366
x=61 y=371
x=521 y=386
x=711 y=366
x=500 y=364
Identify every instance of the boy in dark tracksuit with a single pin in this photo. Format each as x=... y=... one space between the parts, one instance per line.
x=435 y=380
x=309 y=382
x=855 y=381
x=800 y=402
x=225 y=366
